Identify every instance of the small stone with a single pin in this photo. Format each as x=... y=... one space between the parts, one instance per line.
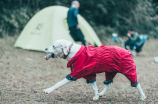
x=34 y=91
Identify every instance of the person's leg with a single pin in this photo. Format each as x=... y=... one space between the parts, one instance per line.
x=80 y=36
x=127 y=45
x=132 y=45
x=77 y=35
x=73 y=33
x=139 y=47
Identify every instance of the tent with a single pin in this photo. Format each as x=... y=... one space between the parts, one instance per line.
x=50 y=24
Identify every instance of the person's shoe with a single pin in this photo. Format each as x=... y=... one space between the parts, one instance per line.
x=127 y=47
x=133 y=54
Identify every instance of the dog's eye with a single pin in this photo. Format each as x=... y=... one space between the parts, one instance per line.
x=53 y=46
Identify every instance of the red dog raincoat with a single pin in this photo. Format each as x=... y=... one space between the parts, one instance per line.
x=109 y=59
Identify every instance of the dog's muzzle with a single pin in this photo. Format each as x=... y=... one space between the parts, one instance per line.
x=49 y=55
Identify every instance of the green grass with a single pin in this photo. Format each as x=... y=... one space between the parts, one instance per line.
x=22 y=72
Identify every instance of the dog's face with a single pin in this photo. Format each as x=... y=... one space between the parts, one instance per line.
x=58 y=50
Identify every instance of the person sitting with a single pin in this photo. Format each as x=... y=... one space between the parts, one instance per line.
x=133 y=41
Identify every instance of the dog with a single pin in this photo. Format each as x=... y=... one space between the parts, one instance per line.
x=87 y=61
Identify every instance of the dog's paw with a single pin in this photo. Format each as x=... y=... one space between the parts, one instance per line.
x=96 y=97
x=101 y=94
x=47 y=91
x=143 y=98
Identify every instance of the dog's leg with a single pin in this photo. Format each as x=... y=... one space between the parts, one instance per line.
x=95 y=88
x=105 y=90
x=56 y=86
x=141 y=92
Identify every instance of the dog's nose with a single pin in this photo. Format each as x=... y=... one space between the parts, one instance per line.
x=46 y=49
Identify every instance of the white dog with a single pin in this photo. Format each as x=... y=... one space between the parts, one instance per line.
x=68 y=50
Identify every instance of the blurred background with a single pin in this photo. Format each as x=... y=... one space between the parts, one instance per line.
x=105 y=16
x=25 y=74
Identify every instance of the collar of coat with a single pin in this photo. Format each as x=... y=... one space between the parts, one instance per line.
x=73 y=59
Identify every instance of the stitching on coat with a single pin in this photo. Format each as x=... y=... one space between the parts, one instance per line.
x=128 y=70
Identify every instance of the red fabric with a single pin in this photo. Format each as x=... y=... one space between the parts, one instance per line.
x=109 y=59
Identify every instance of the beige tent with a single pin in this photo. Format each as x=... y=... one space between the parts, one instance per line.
x=50 y=24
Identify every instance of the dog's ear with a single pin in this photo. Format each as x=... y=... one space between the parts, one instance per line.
x=65 y=48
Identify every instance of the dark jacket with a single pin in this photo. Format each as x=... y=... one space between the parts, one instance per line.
x=135 y=37
x=72 y=17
